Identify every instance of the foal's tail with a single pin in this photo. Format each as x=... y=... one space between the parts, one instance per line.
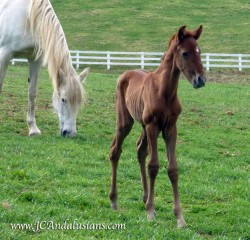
x=121 y=90
x=121 y=87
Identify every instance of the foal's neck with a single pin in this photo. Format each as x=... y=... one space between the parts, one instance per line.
x=168 y=77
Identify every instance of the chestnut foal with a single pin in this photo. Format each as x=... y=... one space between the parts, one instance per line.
x=151 y=99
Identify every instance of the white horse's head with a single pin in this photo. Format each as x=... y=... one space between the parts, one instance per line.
x=66 y=101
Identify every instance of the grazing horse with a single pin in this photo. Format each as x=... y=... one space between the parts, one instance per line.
x=31 y=29
x=151 y=99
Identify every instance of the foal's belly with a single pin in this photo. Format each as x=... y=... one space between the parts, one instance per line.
x=135 y=106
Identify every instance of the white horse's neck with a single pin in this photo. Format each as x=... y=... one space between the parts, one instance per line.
x=49 y=38
x=50 y=42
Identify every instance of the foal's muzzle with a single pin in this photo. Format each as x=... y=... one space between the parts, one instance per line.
x=200 y=82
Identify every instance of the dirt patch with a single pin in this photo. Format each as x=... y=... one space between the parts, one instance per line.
x=214 y=75
x=228 y=76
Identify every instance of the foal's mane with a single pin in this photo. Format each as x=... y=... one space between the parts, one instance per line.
x=51 y=44
x=169 y=43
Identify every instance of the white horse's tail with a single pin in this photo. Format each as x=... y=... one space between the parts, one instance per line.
x=51 y=44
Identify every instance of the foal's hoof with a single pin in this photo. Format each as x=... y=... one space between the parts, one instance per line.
x=114 y=206
x=181 y=223
x=151 y=215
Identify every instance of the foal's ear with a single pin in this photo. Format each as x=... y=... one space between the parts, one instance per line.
x=181 y=33
x=197 y=33
x=84 y=74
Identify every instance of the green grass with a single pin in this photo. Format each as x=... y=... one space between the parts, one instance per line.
x=54 y=179
x=148 y=25
x=49 y=178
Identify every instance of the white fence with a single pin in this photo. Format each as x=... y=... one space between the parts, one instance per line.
x=145 y=59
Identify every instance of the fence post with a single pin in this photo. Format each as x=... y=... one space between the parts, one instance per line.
x=240 y=62
x=142 y=60
x=108 y=60
x=77 y=59
x=13 y=61
x=207 y=62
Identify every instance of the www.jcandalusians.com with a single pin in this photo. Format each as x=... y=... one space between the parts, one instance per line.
x=66 y=225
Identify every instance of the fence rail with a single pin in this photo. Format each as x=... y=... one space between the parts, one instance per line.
x=144 y=59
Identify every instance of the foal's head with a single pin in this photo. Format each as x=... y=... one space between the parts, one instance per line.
x=67 y=98
x=187 y=56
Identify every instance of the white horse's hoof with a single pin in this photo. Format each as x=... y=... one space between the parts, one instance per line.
x=35 y=133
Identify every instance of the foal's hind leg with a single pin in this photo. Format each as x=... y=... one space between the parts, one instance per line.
x=169 y=136
x=124 y=125
x=34 y=67
x=142 y=152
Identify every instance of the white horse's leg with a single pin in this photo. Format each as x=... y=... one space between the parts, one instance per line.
x=34 y=67
x=5 y=57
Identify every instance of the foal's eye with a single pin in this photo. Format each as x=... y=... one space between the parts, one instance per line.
x=64 y=100
x=185 y=54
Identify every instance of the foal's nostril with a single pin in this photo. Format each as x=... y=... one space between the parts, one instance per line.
x=199 y=82
x=201 y=79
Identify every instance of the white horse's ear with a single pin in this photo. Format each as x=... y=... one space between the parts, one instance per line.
x=84 y=74
x=61 y=76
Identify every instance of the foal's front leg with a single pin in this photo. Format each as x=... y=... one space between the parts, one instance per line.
x=169 y=136
x=34 y=67
x=153 y=167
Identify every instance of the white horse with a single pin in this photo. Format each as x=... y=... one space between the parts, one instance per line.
x=31 y=29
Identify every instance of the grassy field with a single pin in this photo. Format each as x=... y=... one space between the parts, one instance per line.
x=57 y=182
x=147 y=25
x=53 y=180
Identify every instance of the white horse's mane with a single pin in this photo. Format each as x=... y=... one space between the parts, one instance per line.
x=51 y=44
